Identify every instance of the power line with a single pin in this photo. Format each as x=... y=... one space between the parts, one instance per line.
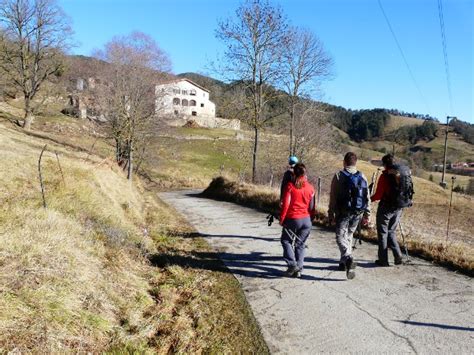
x=445 y=52
x=403 y=56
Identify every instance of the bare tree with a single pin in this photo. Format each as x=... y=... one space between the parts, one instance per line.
x=127 y=93
x=33 y=36
x=305 y=64
x=312 y=131
x=253 y=39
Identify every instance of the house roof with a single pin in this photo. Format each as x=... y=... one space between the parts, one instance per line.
x=184 y=79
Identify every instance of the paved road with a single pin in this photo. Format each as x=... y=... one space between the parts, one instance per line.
x=419 y=308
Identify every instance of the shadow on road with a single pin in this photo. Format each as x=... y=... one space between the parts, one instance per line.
x=436 y=325
x=255 y=264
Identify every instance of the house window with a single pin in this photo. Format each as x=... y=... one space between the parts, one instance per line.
x=175 y=91
x=204 y=94
x=175 y=101
x=202 y=105
x=184 y=92
x=192 y=92
x=192 y=103
x=194 y=113
x=176 y=112
x=184 y=102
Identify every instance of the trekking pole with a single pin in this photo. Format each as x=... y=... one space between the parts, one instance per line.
x=403 y=239
x=373 y=181
x=288 y=231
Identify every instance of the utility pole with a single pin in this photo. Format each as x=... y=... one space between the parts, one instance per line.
x=443 y=182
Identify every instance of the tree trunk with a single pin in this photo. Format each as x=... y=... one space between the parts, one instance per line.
x=292 y=129
x=29 y=116
x=254 y=156
x=130 y=161
x=118 y=151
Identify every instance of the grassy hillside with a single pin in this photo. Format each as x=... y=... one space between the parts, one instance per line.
x=458 y=149
x=187 y=157
x=396 y=122
x=100 y=269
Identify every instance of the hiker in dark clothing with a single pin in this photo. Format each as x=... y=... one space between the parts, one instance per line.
x=390 y=209
x=349 y=203
x=289 y=176
x=297 y=211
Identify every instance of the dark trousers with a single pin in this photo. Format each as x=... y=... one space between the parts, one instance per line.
x=301 y=227
x=387 y=222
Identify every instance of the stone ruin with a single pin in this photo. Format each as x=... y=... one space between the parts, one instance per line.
x=81 y=102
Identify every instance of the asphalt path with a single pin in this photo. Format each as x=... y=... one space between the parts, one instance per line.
x=416 y=308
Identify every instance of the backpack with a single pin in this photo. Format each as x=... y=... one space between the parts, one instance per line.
x=402 y=191
x=354 y=195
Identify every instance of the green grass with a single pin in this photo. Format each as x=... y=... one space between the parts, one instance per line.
x=206 y=132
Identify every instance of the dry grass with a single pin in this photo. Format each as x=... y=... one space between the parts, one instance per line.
x=71 y=273
x=77 y=276
x=396 y=122
x=456 y=254
x=200 y=306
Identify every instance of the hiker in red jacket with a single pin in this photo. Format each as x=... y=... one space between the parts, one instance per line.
x=297 y=211
x=388 y=213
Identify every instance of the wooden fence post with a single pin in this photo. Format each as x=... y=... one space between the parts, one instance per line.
x=40 y=176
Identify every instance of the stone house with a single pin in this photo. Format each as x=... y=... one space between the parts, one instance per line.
x=181 y=100
x=182 y=97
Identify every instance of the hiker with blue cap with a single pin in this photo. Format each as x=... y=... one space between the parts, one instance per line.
x=289 y=175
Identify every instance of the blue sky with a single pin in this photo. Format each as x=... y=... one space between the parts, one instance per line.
x=369 y=70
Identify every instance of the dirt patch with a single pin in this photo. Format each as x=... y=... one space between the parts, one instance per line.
x=191 y=124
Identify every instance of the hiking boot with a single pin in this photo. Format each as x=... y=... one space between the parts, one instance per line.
x=291 y=271
x=350 y=268
x=398 y=261
x=297 y=274
x=381 y=263
x=342 y=267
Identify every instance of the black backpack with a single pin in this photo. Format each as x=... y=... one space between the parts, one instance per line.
x=401 y=186
x=354 y=195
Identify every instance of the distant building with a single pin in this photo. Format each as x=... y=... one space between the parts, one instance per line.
x=182 y=100
x=182 y=97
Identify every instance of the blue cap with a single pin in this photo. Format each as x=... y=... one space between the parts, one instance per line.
x=292 y=160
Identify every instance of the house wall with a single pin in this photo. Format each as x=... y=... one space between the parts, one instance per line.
x=169 y=103
x=183 y=99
